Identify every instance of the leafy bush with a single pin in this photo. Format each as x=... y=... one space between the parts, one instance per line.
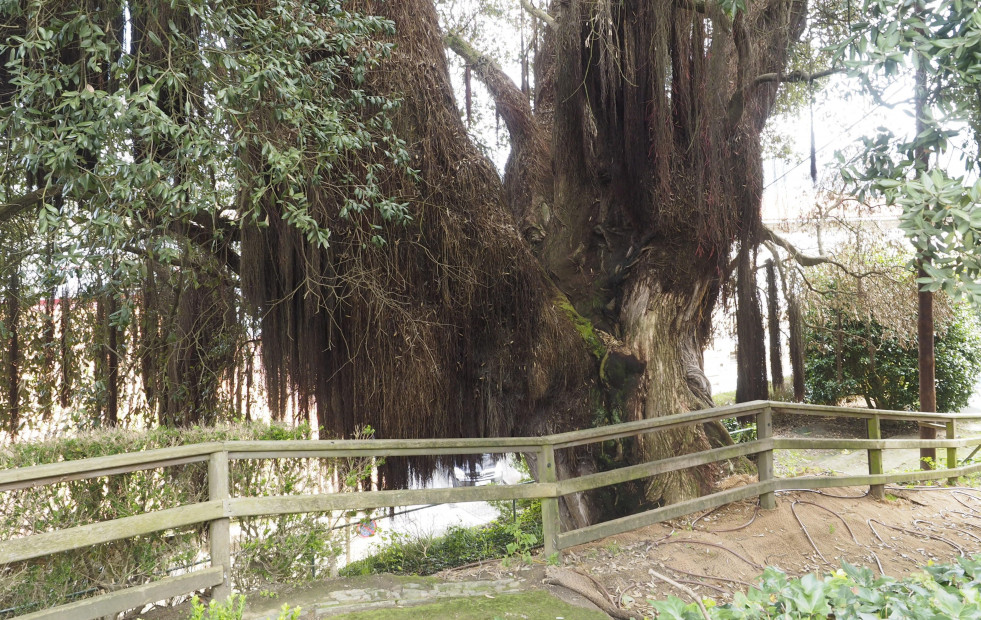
x=880 y=367
x=849 y=593
x=459 y=546
x=274 y=549
x=232 y=609
x=740 y=433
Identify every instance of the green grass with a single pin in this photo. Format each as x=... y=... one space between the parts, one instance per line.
x=536 y=604
x=724 y=398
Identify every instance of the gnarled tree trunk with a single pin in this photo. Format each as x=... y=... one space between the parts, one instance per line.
x=610 y=236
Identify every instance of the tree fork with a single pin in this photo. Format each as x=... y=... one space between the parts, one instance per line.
x=528 y=177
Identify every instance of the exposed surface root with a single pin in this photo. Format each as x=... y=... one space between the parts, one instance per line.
x=894 y=537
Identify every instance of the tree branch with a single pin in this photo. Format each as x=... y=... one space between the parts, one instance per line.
x=528 y=172
x=540 y=14
x=744 y=52
x=512 y=104
x=12 y=209
x=805 y=260
x=794 y=76
x=712 y=10
x=202 y=231
x=204 y=237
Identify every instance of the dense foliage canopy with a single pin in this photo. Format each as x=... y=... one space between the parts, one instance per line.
x=139 y=140
x=932 y=173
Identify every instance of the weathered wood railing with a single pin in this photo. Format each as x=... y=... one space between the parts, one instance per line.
x=221 y=508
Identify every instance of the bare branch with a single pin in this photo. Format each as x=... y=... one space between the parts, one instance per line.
x=794 y=76
x=540 y=14
x=805 y=260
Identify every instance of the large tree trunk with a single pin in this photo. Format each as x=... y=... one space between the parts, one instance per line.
x=451 y=328
x=628 y=185
x=654 y=184
x=664 y=328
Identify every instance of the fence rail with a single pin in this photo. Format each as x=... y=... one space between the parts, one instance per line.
x=221 y=508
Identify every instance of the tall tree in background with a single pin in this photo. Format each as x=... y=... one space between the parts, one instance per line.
x=940 y=205
x=773 y=323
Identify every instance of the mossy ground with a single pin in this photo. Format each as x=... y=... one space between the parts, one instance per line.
x=535 y=604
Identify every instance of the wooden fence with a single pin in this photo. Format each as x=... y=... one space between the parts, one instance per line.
x=221 y=507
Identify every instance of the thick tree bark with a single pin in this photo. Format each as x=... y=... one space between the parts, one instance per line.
x=670 y=383
x=630 y=181
x=654 y=184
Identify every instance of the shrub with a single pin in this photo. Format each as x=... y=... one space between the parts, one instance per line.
x=232 y=609
x=883 y=369
x=848 y=593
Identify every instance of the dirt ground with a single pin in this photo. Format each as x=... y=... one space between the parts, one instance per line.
x=717 y=553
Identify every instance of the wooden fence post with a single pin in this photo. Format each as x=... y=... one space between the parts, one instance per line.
x=877 y=491
x=952 y=452
x=764 y=462
x=550 y=505
x=220 y=529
